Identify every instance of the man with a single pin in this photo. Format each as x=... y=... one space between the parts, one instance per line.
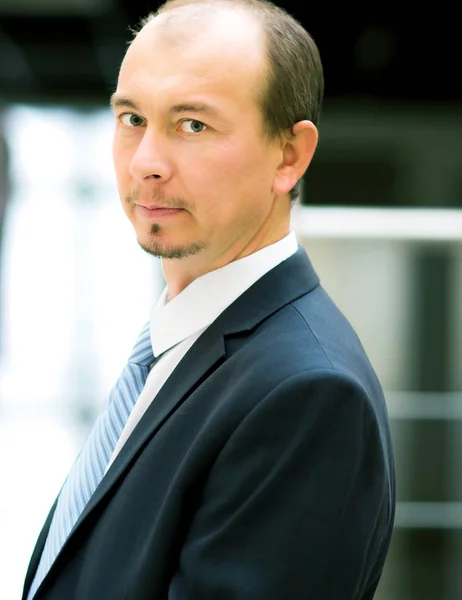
x=255 y=461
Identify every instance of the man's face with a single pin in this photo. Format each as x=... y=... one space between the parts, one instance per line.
x=194 y=171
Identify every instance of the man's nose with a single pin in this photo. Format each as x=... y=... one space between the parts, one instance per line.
x=151 y=159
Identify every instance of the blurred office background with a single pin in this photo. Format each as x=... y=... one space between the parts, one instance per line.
x=381 y=218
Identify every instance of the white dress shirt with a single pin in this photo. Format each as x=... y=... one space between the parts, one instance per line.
x=177 y=324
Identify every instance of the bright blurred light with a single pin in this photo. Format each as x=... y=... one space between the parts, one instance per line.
x=76 y=289
x=407 y=224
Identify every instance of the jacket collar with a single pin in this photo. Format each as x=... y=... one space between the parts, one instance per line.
x=280 y=286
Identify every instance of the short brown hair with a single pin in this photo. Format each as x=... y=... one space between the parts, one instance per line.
x=295 y=82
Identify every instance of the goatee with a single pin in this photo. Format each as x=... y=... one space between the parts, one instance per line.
x=157 y=248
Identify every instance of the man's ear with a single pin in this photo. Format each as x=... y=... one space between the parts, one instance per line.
x=298 y=150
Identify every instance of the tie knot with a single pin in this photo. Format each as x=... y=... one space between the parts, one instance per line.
x=142 y=350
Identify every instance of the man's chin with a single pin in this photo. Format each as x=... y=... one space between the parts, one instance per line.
x=171 y=252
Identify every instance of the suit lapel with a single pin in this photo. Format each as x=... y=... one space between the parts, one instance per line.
x=35 y=559
x=197 y=363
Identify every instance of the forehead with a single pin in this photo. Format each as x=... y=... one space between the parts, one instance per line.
x=192 y=50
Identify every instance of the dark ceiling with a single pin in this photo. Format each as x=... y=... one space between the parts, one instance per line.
x=70 y=50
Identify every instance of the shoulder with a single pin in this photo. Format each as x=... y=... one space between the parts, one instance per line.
x=309 y=333
x=305 y=350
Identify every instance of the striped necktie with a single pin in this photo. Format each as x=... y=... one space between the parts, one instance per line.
x=90 y=466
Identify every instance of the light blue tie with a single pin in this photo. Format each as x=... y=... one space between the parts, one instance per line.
x=89 y=468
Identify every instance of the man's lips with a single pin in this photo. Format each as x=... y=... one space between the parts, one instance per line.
x=156 y=206
x=155 y=211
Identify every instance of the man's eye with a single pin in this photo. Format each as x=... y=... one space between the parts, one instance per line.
x=131 y=120
x=193 y=126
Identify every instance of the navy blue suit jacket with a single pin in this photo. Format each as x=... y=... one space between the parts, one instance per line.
x=263 y=470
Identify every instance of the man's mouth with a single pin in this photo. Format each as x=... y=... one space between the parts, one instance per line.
x=155 y=211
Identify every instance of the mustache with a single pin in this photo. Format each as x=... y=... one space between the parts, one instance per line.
x=158 y=197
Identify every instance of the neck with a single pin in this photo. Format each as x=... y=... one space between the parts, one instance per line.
x=179 y=273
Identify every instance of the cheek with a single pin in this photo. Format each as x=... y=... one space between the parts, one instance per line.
x=226 y=178
x=230 y=164
x=248 y=161
x=208 y=173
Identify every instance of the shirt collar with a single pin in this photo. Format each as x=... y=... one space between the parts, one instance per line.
x=199 y=304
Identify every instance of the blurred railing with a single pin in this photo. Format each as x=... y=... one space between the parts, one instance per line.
x=405 y=224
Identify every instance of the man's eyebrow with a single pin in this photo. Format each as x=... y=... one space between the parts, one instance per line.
x=119 y=101
x=203 y=109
